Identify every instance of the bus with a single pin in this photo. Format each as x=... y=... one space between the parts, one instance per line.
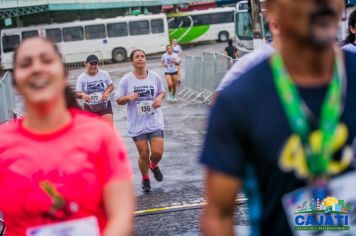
x=112 y=38
x=202 y=25
x=243 y=26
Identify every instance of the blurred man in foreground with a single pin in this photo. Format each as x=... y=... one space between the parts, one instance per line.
x=287 y=123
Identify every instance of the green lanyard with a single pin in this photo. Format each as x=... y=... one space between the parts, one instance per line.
x=317 y=162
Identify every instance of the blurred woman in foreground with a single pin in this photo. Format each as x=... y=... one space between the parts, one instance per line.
x=59 y=164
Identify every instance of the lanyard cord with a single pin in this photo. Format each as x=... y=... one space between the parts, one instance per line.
x=298 y=117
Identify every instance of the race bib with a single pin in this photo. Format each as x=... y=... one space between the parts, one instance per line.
x=331 y=216
x=86 y=226
x=95 y=97
x=145 y=108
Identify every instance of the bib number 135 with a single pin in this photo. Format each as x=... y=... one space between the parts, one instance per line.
x=145 y=109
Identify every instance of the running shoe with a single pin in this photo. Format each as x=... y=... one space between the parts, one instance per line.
x=146 y=185
x=157 y=174
x=173 y=99
x=169 y=97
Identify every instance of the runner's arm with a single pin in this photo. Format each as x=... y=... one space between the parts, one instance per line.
x=221 y=191
x=79 y=93
x=224 y=157
x=157 y=102
x=107 y=92
x=82 y=95
x=237 y=53
x=115 y=173
x=119 y=198
x=125 y=99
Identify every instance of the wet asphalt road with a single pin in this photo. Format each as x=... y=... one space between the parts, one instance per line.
x=185 y=127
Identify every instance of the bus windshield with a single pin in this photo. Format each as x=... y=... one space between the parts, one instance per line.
x=243 y=26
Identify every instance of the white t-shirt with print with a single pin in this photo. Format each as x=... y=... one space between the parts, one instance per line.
x=94 y=85
x=177 y=49
x=169 y=60
x=148 y=89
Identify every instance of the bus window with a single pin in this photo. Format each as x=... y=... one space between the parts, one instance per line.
x=29 y=34
x=10 y=42
x=244 y=26
x=117 y=29
x=139 y=27
x=222 y=17
x=54 y=35
x=178 y=22
x=201 y=20
x=95 y=31
x=227 y=17
x=173 y=23
x=73 y=34
x=157 y=26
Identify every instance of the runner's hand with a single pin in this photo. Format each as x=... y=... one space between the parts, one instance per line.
x=104 y=97
x=133 y=97
x=86 y=97
x=157 y=102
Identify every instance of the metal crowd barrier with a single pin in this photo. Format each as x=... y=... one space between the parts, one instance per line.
x=7 y=98
x=203 y=75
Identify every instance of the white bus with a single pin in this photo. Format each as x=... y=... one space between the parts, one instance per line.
x=202 y=25
x=243 y=26
x=113 y=38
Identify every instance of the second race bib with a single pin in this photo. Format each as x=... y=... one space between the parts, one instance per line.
x=85 y=226
x=145 y=108
x=95 y=97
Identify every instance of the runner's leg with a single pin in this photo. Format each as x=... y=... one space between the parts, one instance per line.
x=157 y=146
x=170 y=86
x=169 y=82
x=144 y=156
x=179 y=77
x=174 y=84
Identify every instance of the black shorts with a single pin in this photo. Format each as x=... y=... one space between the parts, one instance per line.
x=106 y=111
x=171 y=73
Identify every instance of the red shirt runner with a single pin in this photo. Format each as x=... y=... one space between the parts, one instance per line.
x=58 y=176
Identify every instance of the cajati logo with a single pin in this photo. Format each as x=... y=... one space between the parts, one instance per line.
x=322 y=214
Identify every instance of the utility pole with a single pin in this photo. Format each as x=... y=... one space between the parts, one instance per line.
x=256 y=23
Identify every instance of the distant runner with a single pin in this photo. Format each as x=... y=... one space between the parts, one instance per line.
x=142 y=91
x=231 y=50
x=94 y=87
x=178 y=50
x=248 y=61
x=170 y=61
x=350 y=41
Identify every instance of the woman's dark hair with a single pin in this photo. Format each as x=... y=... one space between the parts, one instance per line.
x=352 y=23
x=71 y=100
x=132 y=54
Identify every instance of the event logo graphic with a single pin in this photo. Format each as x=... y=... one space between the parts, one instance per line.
x=327 y=214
